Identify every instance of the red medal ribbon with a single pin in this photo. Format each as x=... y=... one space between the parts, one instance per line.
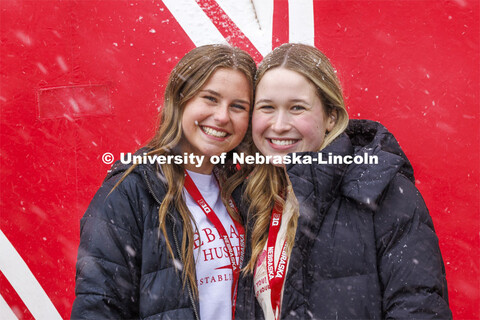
x=276 y=277
x=212 y=216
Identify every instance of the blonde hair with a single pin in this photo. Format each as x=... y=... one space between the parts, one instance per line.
x=267 y=183
x=185 y=81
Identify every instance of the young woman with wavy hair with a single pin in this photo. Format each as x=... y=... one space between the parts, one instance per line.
x=332 y=239
x=152 y=240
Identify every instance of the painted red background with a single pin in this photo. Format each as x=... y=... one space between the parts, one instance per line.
x=412 y=65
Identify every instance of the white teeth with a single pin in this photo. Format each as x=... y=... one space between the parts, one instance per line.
x=213 y=132
x=283 y=142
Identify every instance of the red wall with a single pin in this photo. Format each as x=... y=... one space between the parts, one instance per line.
x=412 y=65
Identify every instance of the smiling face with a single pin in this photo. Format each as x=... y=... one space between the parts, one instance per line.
x=216 y=119
x=288 y=115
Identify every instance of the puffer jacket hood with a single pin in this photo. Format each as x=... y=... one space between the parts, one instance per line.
x=365 y=183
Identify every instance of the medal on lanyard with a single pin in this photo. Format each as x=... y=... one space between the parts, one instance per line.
x=212 y=216
x=276 y=276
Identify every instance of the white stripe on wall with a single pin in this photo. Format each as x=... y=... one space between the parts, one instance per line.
x=194 y=22
x=254 y=19
x=5 y=311
x=301 y=25
x=24 y=283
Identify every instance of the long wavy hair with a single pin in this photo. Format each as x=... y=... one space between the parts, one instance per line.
x=267 y=183
x=185 y=81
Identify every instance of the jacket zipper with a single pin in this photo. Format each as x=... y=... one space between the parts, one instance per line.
x=176 y=245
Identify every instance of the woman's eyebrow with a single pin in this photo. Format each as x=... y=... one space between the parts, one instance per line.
x=215 y=93
x=263 y=101
x=291 y=101
x=242 y=101
x=300 y=100
x=212 y=92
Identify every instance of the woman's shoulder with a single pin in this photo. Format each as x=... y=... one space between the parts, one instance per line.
x=121 y=180
x=366 y=182
x=136 y=179
x=123 y=199
x=400 y=204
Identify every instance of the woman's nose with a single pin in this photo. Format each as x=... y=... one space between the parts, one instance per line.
x=221 y=115
x=281 y=123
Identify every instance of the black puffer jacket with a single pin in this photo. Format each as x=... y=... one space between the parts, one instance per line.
x=124 y=270
x=365 y=246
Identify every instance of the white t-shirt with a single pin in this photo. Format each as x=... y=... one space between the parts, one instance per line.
x=214 y=275
x=260 y=276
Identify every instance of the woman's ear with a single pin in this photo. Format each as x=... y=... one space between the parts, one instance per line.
x=331 y=120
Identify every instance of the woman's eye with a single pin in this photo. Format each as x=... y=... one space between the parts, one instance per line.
x=210 y=98
x=239 y=106
x=265 y=107
x=298 y=108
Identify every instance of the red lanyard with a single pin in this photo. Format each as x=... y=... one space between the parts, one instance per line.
x=276 y=276
x=212 y=216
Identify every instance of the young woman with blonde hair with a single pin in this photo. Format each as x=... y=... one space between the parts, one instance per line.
x=332 y=239
x=164 y=241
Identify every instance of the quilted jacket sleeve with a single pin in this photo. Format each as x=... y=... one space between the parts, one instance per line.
x=410 y=264
x=107 y=278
